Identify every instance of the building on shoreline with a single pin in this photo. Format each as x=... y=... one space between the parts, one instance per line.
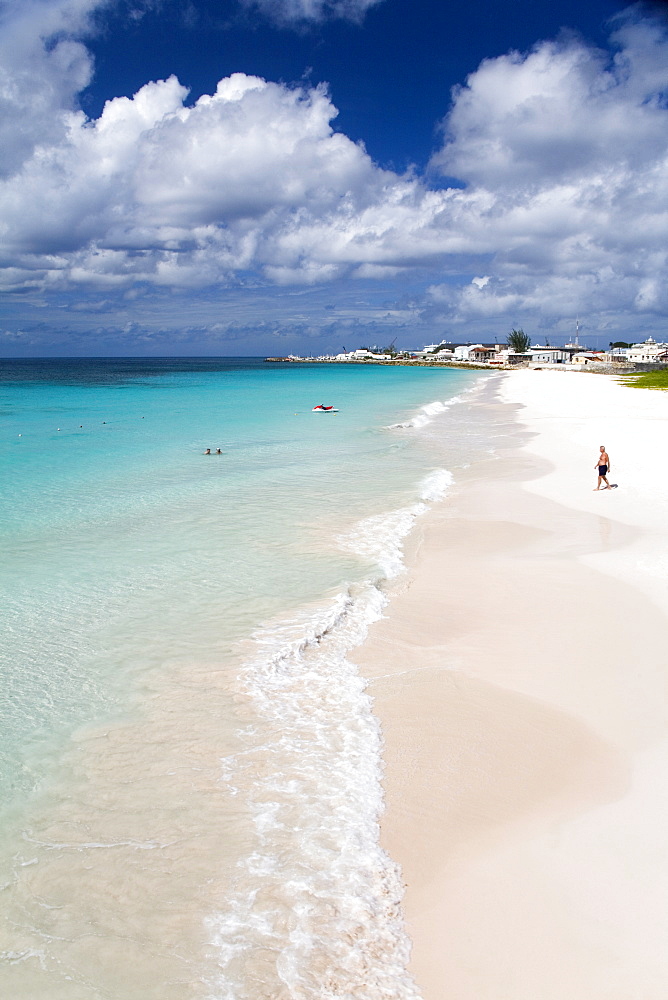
x=475 y=352
x=500 y=356
x=649 y=352
x=549 y=355
x=363 y=354
x=591 y=358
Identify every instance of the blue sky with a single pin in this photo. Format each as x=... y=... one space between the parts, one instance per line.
x=250 y=177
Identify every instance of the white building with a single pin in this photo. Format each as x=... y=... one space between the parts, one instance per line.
x=649 y=352
x=549 y=355
x=361 y=354
x=463 y=352
x=427 y=354
x=444 y=355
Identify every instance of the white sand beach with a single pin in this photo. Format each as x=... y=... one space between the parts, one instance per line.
x=520 y=676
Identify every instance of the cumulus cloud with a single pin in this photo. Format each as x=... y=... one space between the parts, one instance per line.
x=251 y=178
x=563 y=112
x=43 y=67
x=562 y=151
x=304 y=11
x=570 y=147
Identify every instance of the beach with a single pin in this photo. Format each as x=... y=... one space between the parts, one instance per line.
x=520 y=679
x=225 y=671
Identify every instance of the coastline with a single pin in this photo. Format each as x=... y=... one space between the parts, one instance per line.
x=215 y=824
x=602 y=368
x=519 y=682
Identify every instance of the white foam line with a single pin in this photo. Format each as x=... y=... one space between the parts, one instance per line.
x=93 y=845
x=427 y=412
x=322 y=772
x=315 y=800
x=380 y=538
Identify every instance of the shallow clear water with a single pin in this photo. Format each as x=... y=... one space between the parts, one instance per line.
x=189 y=762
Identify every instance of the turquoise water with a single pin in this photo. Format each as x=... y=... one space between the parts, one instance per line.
x=179 y=606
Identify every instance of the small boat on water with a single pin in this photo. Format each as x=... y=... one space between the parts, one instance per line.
x=321 y=408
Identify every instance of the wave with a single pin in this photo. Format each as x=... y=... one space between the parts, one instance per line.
x=318 y=897
x=317 y=908
x=427 y=413
x=380 y=539
x=436 y=484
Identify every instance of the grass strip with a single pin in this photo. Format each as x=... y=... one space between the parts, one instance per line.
x=646 y=380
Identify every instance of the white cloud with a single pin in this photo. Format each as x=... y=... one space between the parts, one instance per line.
x=561 y=113
x=252 y=177
x=563 y=153
x=303 y=11
x=571 y=148
x=43 y=66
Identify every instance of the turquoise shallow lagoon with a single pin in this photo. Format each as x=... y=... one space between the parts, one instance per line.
x=182 y=729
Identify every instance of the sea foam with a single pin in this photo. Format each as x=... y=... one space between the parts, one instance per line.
x=318 y=897
x=380 y=538
x=427 y=413
x=316 y=806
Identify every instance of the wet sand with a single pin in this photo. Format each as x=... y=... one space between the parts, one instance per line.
x=521 y=683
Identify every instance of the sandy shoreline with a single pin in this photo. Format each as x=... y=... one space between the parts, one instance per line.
x=521 y=684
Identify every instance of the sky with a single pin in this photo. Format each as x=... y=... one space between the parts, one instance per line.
x=264 y=177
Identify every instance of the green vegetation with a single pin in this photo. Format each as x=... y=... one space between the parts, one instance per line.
x=647 y=380
x=518 y=341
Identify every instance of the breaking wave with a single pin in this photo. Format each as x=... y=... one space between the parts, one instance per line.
x=426 y=413
x=318 y=897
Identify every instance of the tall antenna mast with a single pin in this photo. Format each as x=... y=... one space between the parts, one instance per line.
x=576 y=345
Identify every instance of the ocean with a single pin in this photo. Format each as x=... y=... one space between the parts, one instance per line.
x=190 y=765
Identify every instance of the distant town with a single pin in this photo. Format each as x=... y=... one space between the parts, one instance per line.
x=517 y=352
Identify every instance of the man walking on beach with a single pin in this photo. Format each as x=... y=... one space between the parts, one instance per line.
x=603 y=465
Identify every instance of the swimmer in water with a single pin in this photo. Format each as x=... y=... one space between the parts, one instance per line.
x=218 y=451
x=208 y=451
